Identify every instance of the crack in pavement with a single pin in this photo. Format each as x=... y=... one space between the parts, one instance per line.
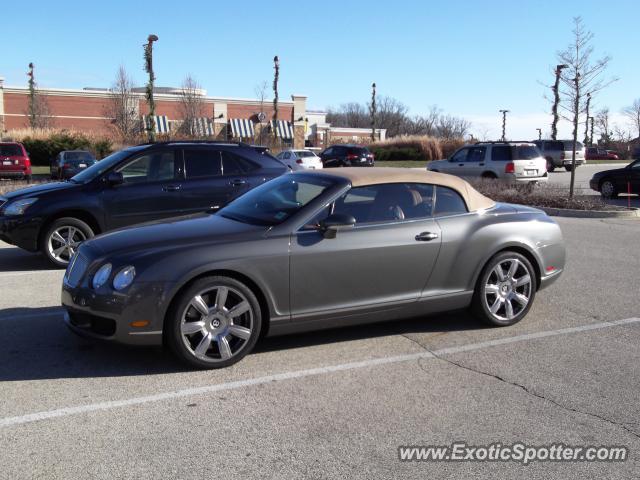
x=524 y=388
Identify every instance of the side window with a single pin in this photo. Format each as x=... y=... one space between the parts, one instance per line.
x=448 y=202
x=386 y=202
x=233 y=164
x=200 y=163
x=329 y=151
x=501 y=153
x=476 y=154
x=460 y=155
x=152 y=167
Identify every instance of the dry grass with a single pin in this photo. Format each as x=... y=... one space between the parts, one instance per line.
x=416 y=147
x=7 y=186
x=543 y=195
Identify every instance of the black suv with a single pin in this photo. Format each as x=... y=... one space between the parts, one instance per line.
x=346 y=156
x=134 y=185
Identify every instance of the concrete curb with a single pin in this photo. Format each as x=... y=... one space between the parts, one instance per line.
x=570 y=212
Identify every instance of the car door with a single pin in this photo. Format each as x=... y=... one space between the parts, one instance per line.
x=386 y=258
x=456 y=164
x=150 y=190
x=474 y=163
x=634 y=177
x=330 y=157
x=205 y=188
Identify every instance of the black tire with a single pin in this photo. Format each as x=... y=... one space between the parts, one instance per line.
x=28 y=178
x=48 y=241
x=182 y=308
x=481 y=296
x=608 y=189
x=568 y=168
x=489 y=176
x=550 y=166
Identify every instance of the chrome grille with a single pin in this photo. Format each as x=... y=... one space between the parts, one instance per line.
x=76 y=269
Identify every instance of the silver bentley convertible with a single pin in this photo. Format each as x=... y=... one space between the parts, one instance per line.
x=312 y=250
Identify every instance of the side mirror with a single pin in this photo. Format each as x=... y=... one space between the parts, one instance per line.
x=338 y=221
x=114 y=178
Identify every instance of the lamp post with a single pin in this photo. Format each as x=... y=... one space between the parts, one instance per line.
x=556 y=101
x=504 y=124
x=276 y=76
x=373 y=112
x=148 y=66
x=591 y=119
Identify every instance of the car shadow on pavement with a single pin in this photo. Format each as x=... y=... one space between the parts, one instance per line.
x=441 y=323
x=36 y=345
x=14 y=259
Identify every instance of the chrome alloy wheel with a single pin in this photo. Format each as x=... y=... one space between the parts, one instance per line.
x=64 y=241
x=508 y=289
x=216 y=324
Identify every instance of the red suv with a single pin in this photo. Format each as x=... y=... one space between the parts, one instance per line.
x=14 y=161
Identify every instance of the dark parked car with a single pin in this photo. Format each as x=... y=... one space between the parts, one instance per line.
x=69 y=163
x=618 y=180
x=134 y=185
x=347 y=156
x=308 y=251
x=14 y=161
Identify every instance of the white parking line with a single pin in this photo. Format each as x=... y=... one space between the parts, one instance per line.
x=63 y=412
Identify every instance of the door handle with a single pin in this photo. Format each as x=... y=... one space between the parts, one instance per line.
x=238 y=182
x=461 y=164
x=171 y=188
x=481 y=164
x=426 y=236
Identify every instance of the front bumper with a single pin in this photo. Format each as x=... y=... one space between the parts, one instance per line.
x=107 y=314
x=21 y=231
x=568 y=163
x=594 y=184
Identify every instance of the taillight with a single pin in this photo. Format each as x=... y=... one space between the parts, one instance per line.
x=509 y=168
x=562 y=156
x=299 y=161
x=66 y=166
x=351 y=156
x=27 y=162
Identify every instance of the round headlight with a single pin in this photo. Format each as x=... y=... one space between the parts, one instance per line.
x=124 y=278
x=101 y=276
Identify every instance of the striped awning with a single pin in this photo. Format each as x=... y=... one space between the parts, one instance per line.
x=241 y=128
x=161 y=123
x=283 y=129
x=202 y=127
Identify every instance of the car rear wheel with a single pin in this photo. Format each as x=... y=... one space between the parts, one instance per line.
x=214 y=323
x=63 y=238
x=505 y=290
x=608 y=189
x=550 y=166
x=568 y=168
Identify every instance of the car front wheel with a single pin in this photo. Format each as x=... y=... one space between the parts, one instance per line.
x=63 y=238
x=214 y=323
x=505 y=290
x=608 y=189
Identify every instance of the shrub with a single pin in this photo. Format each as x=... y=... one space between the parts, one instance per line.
x=414 y=147
x=45 y=144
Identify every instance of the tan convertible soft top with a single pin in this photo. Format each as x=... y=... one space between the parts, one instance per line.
x=359 y=176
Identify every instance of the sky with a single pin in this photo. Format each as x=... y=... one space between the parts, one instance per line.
x=469 y=58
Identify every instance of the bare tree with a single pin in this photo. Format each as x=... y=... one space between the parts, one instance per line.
x=122 y=108
x=581 y=79
x=191 y=106
x=261 y=94
x=38 y=107
x=632 y=112
x=602 y=123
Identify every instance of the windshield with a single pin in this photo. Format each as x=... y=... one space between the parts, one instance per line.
x=275 y=201
x=78 y=156
x=10 y=150
x=526 y=152
x=304 y=153
x=103 y=165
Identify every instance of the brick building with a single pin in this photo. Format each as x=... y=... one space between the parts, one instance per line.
x=225 y=118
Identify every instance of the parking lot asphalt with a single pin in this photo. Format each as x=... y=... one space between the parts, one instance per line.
x=334 y=404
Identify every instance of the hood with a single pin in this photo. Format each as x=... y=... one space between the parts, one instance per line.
x=36 y=190
x=179 y=232
x=608 y=172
